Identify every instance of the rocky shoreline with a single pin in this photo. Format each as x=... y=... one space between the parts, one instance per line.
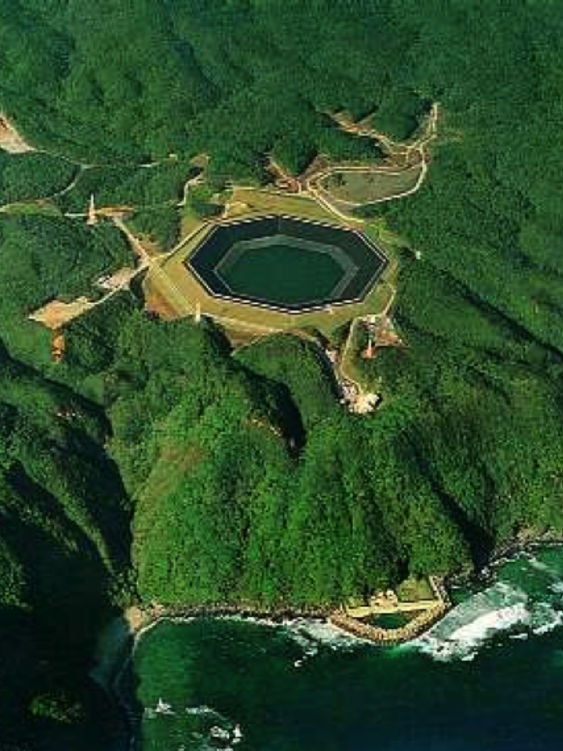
x=140 y=620
x=525 y=543
x=136 y=621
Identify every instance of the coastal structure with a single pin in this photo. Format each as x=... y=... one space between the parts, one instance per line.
x=418 y=614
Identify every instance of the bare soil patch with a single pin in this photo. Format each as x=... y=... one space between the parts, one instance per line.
x=119 y=280
x=157 y=304
x=58 y=346
x=57 y=313
x=10 y=139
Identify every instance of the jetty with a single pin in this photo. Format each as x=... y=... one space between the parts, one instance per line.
x=421 y=614
x=423 y=602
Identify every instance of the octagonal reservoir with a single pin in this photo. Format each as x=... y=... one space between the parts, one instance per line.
x=287 y=263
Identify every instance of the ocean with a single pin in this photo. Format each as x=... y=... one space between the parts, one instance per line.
x=488 y=677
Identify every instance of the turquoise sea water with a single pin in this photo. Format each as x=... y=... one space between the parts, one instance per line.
x=488 y=677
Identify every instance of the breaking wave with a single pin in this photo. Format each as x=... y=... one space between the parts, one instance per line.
x=309 y=633
x=526 y=598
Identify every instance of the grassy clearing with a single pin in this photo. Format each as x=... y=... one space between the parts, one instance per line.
x=42 y=208
x=351 y=357
x=262 y=201
x=413 y=590
x=362 y=187
x=190 y=220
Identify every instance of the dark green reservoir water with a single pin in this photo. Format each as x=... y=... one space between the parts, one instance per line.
x=283 y=274
x=488 y=678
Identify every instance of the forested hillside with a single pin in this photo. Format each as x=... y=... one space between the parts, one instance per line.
x=240 y=475
x=64 y=547
x=44 y=257
x=233 y=79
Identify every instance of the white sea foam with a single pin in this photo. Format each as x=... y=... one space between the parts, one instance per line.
x=202 y=711
x=468 y=626
x=543 y=567
x=534 y=563
x=545 y=618
x=465 y=641
x=309 y=647
x=222 y=734
x=497 y=620
x=214 y=731
x=308 y=633
x=311 y=634
x=500 y=608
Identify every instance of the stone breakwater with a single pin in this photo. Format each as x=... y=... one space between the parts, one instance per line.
x=141 y=619
x=431 y=611
x=390 y=636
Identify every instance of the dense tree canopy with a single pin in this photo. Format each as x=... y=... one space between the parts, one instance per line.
x=46 y=257
x=64 y=537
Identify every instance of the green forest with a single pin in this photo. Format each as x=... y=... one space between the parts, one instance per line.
x=156 y=464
